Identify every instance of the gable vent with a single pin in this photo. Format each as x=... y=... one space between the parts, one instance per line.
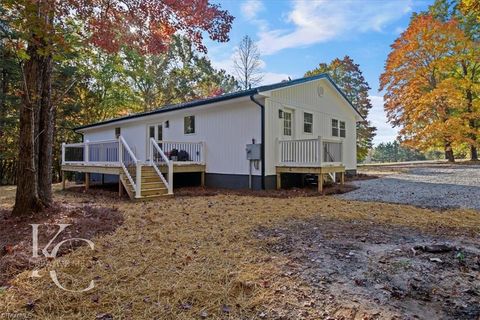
x=320 y=91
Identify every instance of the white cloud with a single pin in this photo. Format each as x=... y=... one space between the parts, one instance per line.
x=323 y=20
x=251 y=8
x=272 y=77
x=377 y=117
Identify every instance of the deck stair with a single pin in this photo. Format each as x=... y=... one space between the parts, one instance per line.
x=151 y=187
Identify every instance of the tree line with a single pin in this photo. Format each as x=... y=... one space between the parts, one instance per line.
x=432 y=79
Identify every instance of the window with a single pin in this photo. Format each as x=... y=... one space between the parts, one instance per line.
x=342 y=129
x=189 y=125
x=118 y=132
x=334 y=127
x=151 y=132
x=159 y=132
x=338 y=128
x=287 y=123
x=307 y=122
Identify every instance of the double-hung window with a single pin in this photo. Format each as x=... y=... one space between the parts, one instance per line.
x=307 y=122
x=189 y=125
x=338 y=128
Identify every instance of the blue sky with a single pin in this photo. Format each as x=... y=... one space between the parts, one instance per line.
x=296 y=35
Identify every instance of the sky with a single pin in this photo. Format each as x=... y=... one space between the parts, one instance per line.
x=294 y=36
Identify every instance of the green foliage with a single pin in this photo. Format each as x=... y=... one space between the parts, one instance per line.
x=348 y=76
x=179 y=75
x=394 y=152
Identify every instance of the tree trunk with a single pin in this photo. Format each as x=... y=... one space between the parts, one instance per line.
x=472 y=125
x=45 y=135
x=449 y=152
x=27 y=199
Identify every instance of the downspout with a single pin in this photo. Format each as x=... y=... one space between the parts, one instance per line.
x=262 y=149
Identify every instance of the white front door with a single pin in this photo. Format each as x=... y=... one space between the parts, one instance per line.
x=154 y=131
x=287 y=126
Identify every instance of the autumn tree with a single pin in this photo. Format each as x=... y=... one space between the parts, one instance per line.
x=420 y=93
x=247 y=63
x=348 y=76
x=43 y=27
x=466 y=70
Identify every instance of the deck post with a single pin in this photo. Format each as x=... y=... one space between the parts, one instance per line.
x=279 y=181
x=63 y=180
x=202 y=177
x=320 y=182
x=87 y=156
x=202 y=153
x=320 y=151
x=138 y=177
x=120 y=187
x=342 y=177
x=63 y=153
x=87 y=180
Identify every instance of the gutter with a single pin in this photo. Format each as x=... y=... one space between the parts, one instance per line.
x=262 y=120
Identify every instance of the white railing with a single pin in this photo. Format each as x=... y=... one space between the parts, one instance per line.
x=332 y=151
x=184 y=151
x=158 y=159
x=309 y=152
x=131 y=166
x=98 y=152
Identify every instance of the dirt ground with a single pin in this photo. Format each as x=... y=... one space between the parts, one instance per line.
x=283 y=255
x=364 y=270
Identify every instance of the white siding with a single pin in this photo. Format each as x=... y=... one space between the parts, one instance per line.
x=304 y=98
x=226 y=129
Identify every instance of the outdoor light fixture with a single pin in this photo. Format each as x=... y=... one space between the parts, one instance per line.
x=167 y=124
x=280 y=114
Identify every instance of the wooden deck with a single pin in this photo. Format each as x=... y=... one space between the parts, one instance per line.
x=320 y=171
x=116 y=169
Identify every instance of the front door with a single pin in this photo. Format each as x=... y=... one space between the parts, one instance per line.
x=154 y=131
x=287 y=125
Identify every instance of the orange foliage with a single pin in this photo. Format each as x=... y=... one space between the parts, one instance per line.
x=424 y=94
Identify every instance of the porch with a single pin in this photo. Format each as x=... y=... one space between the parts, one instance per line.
x=140 y=179
x=321 y=157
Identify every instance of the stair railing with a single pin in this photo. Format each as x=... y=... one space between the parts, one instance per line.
x=157 y=159
x=130 y=165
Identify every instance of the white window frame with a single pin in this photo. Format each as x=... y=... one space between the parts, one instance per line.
x=341 y=128
x=308 y=123
x=287 y=124
x=194 y=125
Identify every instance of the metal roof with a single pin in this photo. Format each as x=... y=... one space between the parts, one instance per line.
x=224 y=97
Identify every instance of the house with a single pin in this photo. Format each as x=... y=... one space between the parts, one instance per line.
x=307 y=125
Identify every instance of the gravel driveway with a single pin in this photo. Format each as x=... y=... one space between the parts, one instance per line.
x=437 y=186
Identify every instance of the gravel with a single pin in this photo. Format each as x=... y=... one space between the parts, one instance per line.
x=436 y=186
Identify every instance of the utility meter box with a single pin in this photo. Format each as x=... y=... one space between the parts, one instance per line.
x=254 y=151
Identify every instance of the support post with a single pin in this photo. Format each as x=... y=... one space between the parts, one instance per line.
x=170 y=177
x=342 y=178
x=320 y=182
x=87 y=181
x=320 y=151
x=279 y=181
x=63 y=153
x=63 y=180
x=87 y=152
x=202 y=177
x=120 y=187
x=138 y=177
x=202 y=153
